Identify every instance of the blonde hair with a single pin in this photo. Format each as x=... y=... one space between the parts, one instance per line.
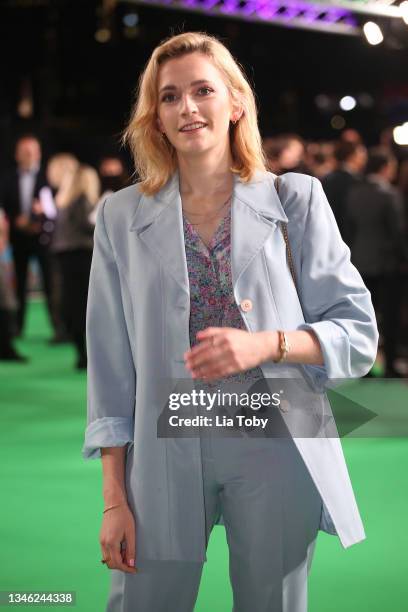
x=154 y=157
x=72 y=179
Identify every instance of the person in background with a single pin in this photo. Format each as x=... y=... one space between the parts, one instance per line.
x=351 y=159
x=22 y=193
x=376 y=219
x=113 y=176
x=351 y=135
x=285 y=153
x=7 y=350
x=319 y=158
x=77 y=192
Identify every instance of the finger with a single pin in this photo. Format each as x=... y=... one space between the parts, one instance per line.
x=207 y=356
x=216 y=369
x=197 y=349
x=226 y=370
x=115 y=560
x=209 y=331
x=210 y=341
x=202 y=364
x=130 y=550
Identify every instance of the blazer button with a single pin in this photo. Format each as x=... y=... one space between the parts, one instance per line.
x=246 y=305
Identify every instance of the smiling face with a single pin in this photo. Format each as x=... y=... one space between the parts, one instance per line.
x=194 y=105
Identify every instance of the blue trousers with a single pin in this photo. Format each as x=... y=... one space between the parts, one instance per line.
x=271 y=511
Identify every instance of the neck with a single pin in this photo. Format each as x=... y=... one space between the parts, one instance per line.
x=205 y=177
x=28 y=167
x=350 y=167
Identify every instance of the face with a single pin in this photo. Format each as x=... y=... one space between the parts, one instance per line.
x=111 y=166
x=392 y=168
x=191 y=90
x=28 y=153
x=360 y=157
x=54 y=173
x=292 y=155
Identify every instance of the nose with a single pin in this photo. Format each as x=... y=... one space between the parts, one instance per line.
x=188 y=106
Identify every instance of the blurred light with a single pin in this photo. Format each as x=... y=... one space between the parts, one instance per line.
x=130 y=20
x=131 y=32
x=347 y=103
x=404 y=11
x=322 y=101
x=365 y=100
x=102 y=35
x=25 y=108
x=373 y=33
x=400 y=134
x=337 y=122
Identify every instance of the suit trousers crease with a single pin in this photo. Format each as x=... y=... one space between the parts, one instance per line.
x=271 y=511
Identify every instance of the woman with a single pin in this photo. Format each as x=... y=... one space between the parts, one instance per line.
x=77 y=192
x=197 y=242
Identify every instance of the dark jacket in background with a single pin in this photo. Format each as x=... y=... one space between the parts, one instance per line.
x=337 y=185
x=26 y=244
x=72 y=244
x=375 y=215
x=10 y=200
x=376 y=225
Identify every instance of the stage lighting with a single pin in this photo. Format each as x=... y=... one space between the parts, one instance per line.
x=373 y=33
x=347 y=103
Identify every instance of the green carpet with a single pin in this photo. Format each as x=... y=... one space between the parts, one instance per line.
x=51 y=501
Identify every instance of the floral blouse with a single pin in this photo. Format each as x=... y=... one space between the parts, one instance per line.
x=211 y=297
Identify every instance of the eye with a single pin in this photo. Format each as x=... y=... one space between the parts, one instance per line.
x=207 y=89
x=166 y=97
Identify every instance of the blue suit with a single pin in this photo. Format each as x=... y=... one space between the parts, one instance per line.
x=138 y=331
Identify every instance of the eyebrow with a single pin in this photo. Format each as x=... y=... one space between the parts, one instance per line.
x=173 y=87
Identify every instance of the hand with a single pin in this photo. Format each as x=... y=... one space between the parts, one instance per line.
x=22 y=221
x=37 y=207
x=118 y=526
x=34 y=227
x=225 y=350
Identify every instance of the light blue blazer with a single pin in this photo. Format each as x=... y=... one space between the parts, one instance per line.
x=138 y=331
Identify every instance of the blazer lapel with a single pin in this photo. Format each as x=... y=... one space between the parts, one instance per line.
x=256 y=208
x=255 y=212
x=159 y=224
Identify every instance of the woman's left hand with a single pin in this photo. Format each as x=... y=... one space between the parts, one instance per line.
x=222 y=351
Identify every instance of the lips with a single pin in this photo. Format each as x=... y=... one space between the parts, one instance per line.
x=193 y=127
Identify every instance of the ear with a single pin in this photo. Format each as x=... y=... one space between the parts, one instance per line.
x=159 y=125
x=237 y=111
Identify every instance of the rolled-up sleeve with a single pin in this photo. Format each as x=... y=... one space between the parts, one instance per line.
x=336 y=303
x=111 y=373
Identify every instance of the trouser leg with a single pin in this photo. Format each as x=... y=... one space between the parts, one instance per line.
x=159 y=586
x=272 y=511
x=44 y=262
x=391 y=317
x=166 y=586
x=21 y=258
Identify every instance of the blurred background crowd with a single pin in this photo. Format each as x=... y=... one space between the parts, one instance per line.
x=48 y=212
x=332 y=93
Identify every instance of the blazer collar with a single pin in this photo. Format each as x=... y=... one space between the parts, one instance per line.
x=255 y=210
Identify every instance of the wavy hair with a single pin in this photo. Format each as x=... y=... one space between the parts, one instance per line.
x=72 y=180
x=154 y=156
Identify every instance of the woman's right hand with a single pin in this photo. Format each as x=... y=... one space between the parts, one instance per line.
x=118 y=525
